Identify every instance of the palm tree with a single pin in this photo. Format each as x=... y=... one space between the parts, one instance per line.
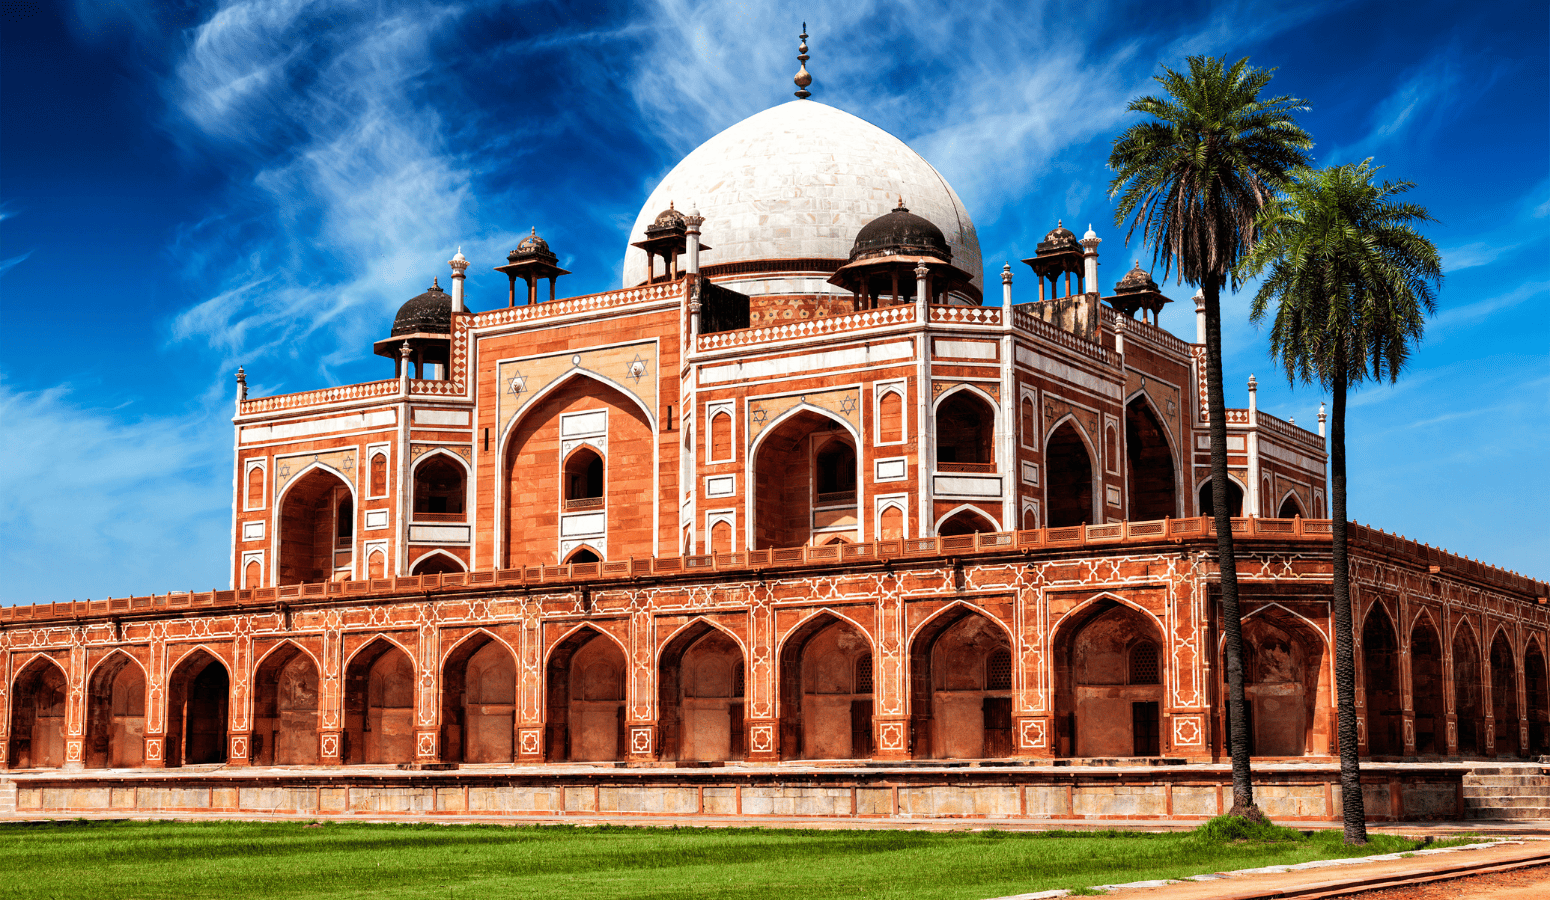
x=1352 y=281
x=1193 y=178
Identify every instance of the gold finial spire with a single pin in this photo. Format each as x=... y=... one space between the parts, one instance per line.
x=803 y=79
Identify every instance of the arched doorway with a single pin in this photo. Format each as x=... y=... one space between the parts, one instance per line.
x=965 y=521
x=1290 y=508
x=961 y=688
x=1109 y=675
x=1467 y=693
x=1380 y=676
x=1504 y=696
x=1538 y=700
x=115 y=714
x=701 y=694
x=1149 y=464
x=285 y=709
x=585 y=705
x=965 y=434
x=1426 y=685
x=1284 y=684
x=826 y=691
x=379 y=705
x=479 y=702
x=804 y=475
x=440 y=491
x=1234 y=499
x=317 y=527
x=38 y=709
x=198 y=700
x=583 y=479
x=1068 y=482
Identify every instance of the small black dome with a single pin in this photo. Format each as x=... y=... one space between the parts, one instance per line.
x=532 y=246
x=900 y=233
x=429 y=313
x=1136 y=281
x=668 y=220
x=1062 y=238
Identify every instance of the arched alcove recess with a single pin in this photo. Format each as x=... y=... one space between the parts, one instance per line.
x=965 y=433
x=435 y=564
x=585 y=714
x=379 y=474
x=440 y=490
x=1380 y=676
x=198 y=701
x=792 y=466
x=1290 y=508
x=960 y=688
x=1285 y=684
x=115 y=714
x=1068 y=478
x=583 y=554
x=701 y=696
x=1504 y=696
x=1109 y=676
x=316 y=511
x=965 y=521
x=721 y=436
x=376 y=565
x=38 y=698
x=252 y=576
x=1150 y=467
x=1426 y=687
x=479 y=702
x=255 y=499
x=379 y=705
x=285 y=709
x=1030 y=518
x=584 y=479
x=826 y=691
x=532 y=489
x=890 y=524
x=1467 y=683
x=721 y=537
x=1234 y=499
x=1538 y=700
x=890 y=417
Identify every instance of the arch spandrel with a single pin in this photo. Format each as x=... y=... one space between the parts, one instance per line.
x=631 y=369
x=341 y=463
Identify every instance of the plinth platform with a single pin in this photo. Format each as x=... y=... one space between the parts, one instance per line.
x=1074 y=791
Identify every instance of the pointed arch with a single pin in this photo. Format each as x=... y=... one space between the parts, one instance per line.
x=380 y=681
x=116 y=696
x=774 y=425
x=955 y=711
x=479 y=699
x=780 y=643
x=1426 y=684
x=782 y=475
x=306 y=547
x=678 y=632
x=1380 y=679
x=1292 y=503
x=1072 y=465
x=380 y=637
x=1504 y=666
x=436 y=558
x=1084 y=608
x=537 y=399
x=282 y=644
x=1152 y=473
x=1273 y=606
x=575 y=631
x=39 y=695
x=967 y=510
x=824 y=709
x=1236 y=491
x=1105 y=704
x=702 y=673
x=582 y=554
x=477 y=634
x=1468 y=688
x=586 y=675
x=198 y=707
x=444 y=502
x=287 y=689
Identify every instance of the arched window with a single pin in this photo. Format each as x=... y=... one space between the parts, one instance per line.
x=1234 y=499
x=438 y=490
x=344 y=531
x=584 y=555
x=1030 y=518
x=1110 y=447
x=890 y=524
x=584 y=480
x=965 y=426
x=721 y=537
x=835 y=477
x=1068 y=483
x=252 y=575
x=255 y=488
x=965 y=521
x=376 y=566
x=379 y=479
x=1144 y=668
x=890 y=418
x=720 y=437
x=1290 y=508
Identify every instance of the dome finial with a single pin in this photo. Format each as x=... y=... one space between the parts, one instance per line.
x=803 y=79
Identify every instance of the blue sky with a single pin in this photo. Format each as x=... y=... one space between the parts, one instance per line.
x=186 y=187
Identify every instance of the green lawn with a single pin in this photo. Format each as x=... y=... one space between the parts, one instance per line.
x=288 y=859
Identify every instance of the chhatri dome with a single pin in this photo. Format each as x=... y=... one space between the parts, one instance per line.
x=797 y=183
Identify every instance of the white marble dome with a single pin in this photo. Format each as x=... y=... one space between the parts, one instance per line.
x=797 y=182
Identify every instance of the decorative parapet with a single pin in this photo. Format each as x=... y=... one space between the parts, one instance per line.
x=1146 y=333
x=1119 y=534
x=1304 y=439
x=965 y=315
x=1026 y=321
x=322 y=397
x=886 y=316
x=584 y=304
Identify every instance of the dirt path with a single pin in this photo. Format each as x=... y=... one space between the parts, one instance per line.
x=1522 y=884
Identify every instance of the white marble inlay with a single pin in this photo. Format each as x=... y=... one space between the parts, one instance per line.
x=967 y=485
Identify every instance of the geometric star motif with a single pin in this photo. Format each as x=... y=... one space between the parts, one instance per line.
x=518 y=384
x=759 y=415
x=848 y=404
x=637 y=369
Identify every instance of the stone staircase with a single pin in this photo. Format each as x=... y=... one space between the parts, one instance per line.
x=1520 y=791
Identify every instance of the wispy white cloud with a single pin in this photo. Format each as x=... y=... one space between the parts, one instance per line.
x=1459 y=316
x=7 y=265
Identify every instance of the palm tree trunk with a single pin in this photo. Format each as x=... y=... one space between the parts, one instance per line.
x=1353 y=809
x=1232 y=619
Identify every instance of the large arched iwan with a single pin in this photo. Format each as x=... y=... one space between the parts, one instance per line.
x=700 y=694
x=826 y=691
x=533 y=489
x=584 y=709
x=961 y=687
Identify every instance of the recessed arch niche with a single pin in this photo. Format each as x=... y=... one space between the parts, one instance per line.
x=115 y=714
x=961 y=687
x=585 y=712
x=478 y=702
x=826 y=691
x=38 y=708
x=1109 y=682
x=700 y=693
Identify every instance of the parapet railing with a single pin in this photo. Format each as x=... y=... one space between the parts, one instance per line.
x=859 y=321
x=1036 y=326
x=583 y=304
x=965 y=315
x=1135 y=329
x=1073 y=537
x=321 y=396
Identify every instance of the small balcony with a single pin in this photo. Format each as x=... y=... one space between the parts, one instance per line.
x=975 y=468
x=583 y=503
